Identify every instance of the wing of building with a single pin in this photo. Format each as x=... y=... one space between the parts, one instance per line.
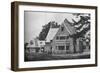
x=58 y=40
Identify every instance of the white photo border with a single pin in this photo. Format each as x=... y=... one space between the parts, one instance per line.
x=34 y=64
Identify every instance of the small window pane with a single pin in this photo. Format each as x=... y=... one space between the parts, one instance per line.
x=62 y=38
x=61 y=47
x=67 y=47
x=57 y=37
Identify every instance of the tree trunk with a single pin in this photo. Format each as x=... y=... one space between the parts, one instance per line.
x=74 y=44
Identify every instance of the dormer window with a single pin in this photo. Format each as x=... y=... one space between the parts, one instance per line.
x=62 y=29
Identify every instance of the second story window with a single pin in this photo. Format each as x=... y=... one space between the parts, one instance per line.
x=57 y=38
x=62 y=37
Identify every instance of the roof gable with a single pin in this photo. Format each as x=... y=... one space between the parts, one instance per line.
x=68 y=30
x=65 y=32
x=69 y=27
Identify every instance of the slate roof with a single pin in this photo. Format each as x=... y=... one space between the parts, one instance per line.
x=52 y=32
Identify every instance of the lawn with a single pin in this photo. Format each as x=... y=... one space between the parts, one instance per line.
x=45 y=56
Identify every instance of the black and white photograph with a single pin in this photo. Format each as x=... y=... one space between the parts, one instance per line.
x=56 y=35
x=53 y=36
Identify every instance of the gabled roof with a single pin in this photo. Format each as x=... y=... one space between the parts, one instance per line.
x=52 y=32
x=69 y=27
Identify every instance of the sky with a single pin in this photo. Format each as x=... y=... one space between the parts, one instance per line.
x=33 y=22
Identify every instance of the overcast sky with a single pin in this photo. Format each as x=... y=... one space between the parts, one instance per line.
x=35 y=20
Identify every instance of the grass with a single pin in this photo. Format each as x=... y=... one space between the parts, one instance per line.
x=45 y=56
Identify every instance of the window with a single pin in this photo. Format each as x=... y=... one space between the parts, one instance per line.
x=62 y=38
x=31 y=42
x=56 y=47
x=40 y=42
x=62 y=28
x=67 y=47
x=61 y=47
x=67 y=37
x=57 y=37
